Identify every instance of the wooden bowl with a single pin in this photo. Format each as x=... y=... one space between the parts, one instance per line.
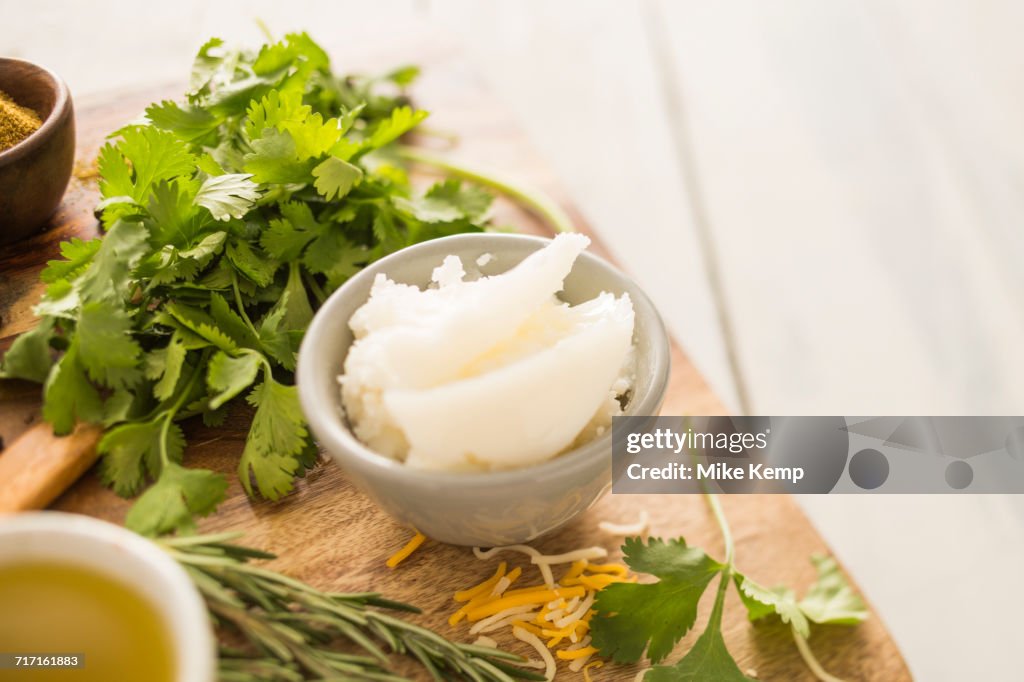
x=34 y=173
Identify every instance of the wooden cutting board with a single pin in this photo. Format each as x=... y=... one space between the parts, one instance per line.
x=328 y=533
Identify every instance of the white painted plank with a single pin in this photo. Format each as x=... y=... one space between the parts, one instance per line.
x=849 y=244
x=863 y=192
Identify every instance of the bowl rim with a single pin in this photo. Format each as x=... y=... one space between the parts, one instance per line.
x=330 y=431
x=186 y=622
x=49 y=124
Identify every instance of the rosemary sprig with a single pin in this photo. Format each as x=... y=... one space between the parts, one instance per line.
x=292 y=630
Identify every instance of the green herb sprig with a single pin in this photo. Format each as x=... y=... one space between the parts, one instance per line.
x=291 y=630
x=230 y=215
x=634 y=618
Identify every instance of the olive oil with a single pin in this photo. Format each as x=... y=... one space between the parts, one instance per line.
x=52 y=608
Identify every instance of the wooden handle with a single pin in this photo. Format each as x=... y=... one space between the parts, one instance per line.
x=37 y=467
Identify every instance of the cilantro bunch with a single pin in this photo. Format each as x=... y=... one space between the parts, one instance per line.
x=229 y=217
x=635 y=617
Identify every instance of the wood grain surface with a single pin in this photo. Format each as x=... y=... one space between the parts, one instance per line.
x=331 y=535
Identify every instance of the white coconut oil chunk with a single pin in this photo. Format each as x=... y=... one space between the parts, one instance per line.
x=495 y=373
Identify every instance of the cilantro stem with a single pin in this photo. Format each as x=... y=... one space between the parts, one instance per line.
x=537 y=202
x=238 y=302
x=805 y=652
x=170 y=412
x=727 y=575
x=723 y=526
x=315 y=287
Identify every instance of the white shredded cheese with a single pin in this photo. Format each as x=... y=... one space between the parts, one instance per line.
x=515 y=612
x=587 y=553
x=484 y=640
x=501 y=586
x=577 y=664
x=580 y=611
x=531 y=639
x=581 y=645
x=545 y=570
x=636 y=528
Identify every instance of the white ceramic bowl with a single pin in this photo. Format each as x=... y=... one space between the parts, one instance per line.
x=471 y=508
x=130 y=560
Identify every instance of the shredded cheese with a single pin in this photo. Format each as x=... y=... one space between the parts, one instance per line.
x=484 y=640
x=586 y=553
x=545 y=570
x=576 y=615
x=531 y=639
x=514 y=613
x=553 y=611
x=568 y=654
x=616 y=569
x=536 y=597
x=466 y=595
x=587 y=667
x=636 y=528
x=410 y=547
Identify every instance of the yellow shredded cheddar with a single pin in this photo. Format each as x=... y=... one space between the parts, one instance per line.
x=410 y=547
x=528 y=597
x=576 y=653
x=479 y=600
x=599 y=582
x=617 y=569
x=513 y=575
x=587 y=667
x=482 y=588
x=529 y=627
x=575 y=570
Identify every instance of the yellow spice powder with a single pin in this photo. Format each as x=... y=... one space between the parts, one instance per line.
x=16 y=122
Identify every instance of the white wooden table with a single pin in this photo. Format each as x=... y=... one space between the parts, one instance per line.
x=824 y=199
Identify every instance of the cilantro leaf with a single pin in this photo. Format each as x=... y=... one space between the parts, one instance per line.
x=77 y=256
x=275 y=159
x=228 y=376
x=178 y=496
x=468 y=201
x=164 y=366
x=250 y=263
x=284 y=241
x=229 y=322
x=831 y=600
x=228 y=196
x=274 y=339
x=106 y=348
x=297 y=311
x=29 y=357
x=144 y=156
x=708 y=659
x=632 y=617
x=201 y=324
x=131 y=450
x=762 y=602
x=109 y=276
x=278 y=435
x=69 y=395
x=401 y=121
x=188 y=122
x=335 y=178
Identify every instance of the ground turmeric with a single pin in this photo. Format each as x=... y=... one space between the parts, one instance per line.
x=16 y=122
